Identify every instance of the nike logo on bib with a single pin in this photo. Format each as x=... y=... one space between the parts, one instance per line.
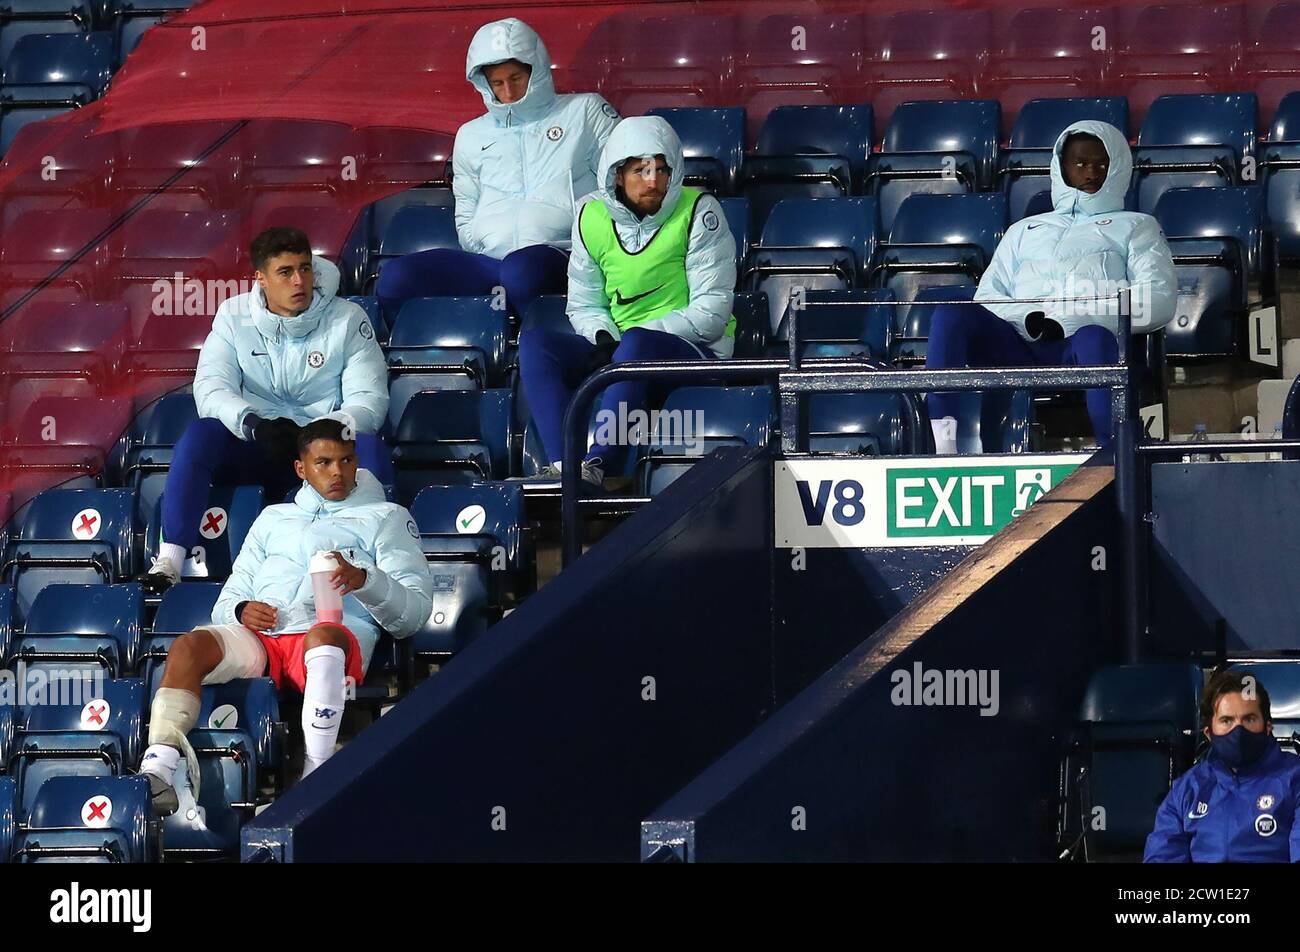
x=256 y=354
x=624 y=302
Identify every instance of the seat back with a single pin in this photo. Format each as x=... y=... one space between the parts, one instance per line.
x=848 y=223
x=1229 y=212
x=860 y=424
x=713 y=143
x=1041 y=121
x=948 y=126
x=696 y=420
x=96 y=626
x=846 y=131
x=452 y=437
x=89 y=819
x=454 y=519
x=72 y=535
x=70 y=68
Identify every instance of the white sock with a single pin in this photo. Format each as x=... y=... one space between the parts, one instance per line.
x=160 y=760
x=322 y=704
x=945 y=435
x=174 y=555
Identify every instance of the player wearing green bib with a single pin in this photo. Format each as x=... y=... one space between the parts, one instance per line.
x=651 y=277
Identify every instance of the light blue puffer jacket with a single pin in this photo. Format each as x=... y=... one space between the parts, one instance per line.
x=1086 y=245
x=518 y=169
x=324 y=362
x=372 y=533
x=710 y=252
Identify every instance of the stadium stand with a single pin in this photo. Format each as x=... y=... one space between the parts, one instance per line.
x=867 y=170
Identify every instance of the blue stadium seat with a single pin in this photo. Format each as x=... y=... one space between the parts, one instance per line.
x=89 y=819
x=937 y=147
x=414 y=228
x=1216 y=238
x=753 y=323
x=713 y=144
x=1025 y=167
x=452 y=437
x=72 y=535
x=940 y=239
x=736 y=211
x=8 y=817
x=239 y=740
x=82 y=728
x=1280 y=167
x=182 y=609
x=72 y=17
x=1281 y=679
x=812 y=243
x=863 y=424
x=381 y=212
x=840 y=324
x=149 y=446
x=694 y=422
x=230 y=513
x=1193 y=141
x=454 y=343
x=90 y=628
x=472 y=559
x=808 y=152
x=910 y=331
x=61 y=69
x=1133 y=737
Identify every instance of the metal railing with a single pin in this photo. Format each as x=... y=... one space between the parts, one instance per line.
x=796 y=376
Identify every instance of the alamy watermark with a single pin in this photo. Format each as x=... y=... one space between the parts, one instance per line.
x=946 y=687
x=636 y=427
x=39 y=687
x=179 y=296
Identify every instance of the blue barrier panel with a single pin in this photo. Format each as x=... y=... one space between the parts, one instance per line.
x=538 y=741
x=847 y=771
x=1222 y=531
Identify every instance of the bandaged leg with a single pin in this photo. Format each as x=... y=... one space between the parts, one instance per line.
x=171 y=718
x=945 y=435
x=322 y=703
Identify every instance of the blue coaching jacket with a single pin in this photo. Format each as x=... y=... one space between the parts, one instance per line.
x=1215 y=816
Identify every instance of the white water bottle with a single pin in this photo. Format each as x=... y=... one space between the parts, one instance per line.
x=329 y=602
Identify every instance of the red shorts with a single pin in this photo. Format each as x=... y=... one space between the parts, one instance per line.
x=284 y=658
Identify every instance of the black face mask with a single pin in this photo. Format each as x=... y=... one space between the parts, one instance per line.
x=1240 y=747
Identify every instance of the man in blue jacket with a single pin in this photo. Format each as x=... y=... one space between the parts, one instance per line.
x=264 y=621
x=1238 y=805
x=516 y=173
x=1088 y=246
x=277 y=357
x=652 y=277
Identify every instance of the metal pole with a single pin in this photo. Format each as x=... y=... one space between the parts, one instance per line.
x=1128 y=490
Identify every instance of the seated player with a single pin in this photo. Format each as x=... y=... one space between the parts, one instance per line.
x=1087 y=245
x=277 y=357
x=264 y=621
x=516 y=173
x=1238 y=805
x=651 y=278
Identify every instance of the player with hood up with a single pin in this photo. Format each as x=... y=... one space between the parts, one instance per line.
x=1087 y=246
x=516 y=174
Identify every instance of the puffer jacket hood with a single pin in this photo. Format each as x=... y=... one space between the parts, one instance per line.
x=368 y=490
x=512 y=39
x=323 y=293
x=1108 y=198
x=641 y=136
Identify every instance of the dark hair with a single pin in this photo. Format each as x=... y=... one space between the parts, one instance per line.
x=517 y=62
x=1233 y=682
x=278 y=241
x=326 y=429
x=1081 y=137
